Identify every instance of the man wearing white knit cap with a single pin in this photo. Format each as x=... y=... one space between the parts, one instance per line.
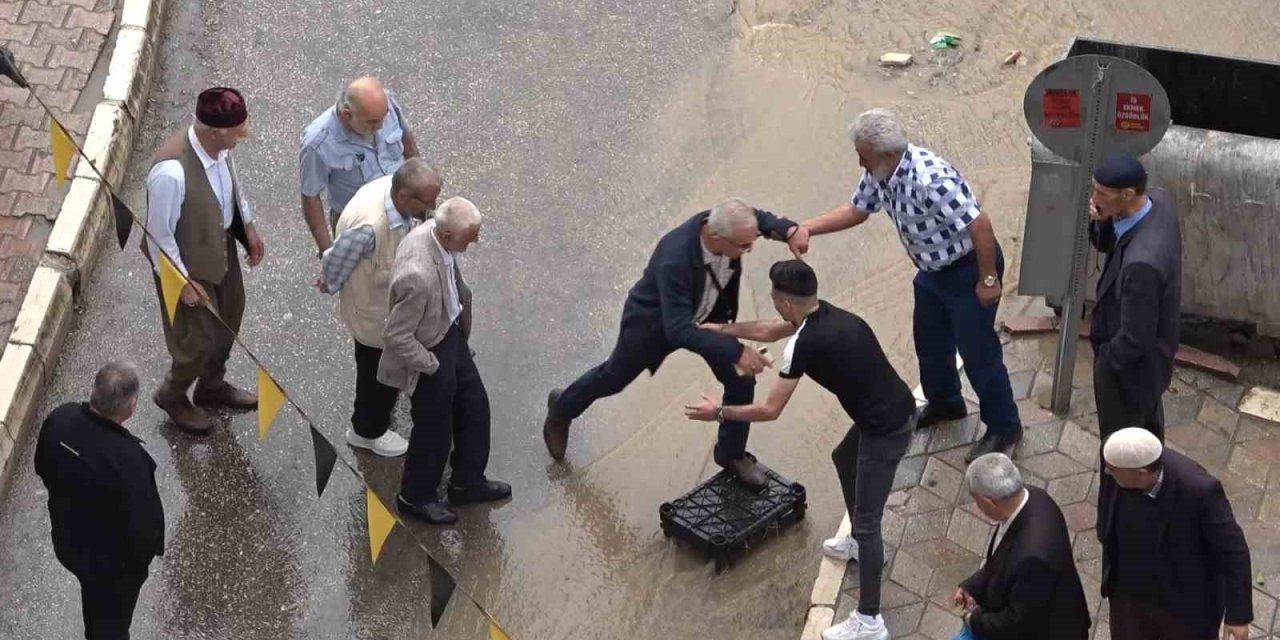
x=1175 y=564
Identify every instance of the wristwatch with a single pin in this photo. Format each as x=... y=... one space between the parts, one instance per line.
x=990 y=281
x=720 y=413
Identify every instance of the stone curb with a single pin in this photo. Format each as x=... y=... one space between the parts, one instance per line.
x=826 y=588
x=78 y=234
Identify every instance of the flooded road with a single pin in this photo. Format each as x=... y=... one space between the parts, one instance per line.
x=584 y=129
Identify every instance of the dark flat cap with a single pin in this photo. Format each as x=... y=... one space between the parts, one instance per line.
x=221 y=108
x=1120 y=171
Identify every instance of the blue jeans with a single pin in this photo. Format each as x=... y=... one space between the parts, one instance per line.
x=949 y=318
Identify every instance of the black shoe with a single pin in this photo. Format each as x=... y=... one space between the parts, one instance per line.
x=437 y=512
x=486 y=491
x=555 y=429
x=934 y=413
x=748 y=471
x=993 y=443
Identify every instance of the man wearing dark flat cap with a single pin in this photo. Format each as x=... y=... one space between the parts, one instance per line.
x=1135 y=319
x=196 y=212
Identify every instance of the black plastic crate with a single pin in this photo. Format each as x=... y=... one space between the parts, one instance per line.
x=721 y=517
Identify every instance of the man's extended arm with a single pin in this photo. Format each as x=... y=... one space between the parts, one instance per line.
x=759 y=330
x=843 y=217
x=770 y=409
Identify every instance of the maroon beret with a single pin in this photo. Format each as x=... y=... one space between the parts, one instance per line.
x=221 y=108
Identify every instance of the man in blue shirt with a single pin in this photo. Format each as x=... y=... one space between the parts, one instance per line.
x=1134 y=331
x=361 y=138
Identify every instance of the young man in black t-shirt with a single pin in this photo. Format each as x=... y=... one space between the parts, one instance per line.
x=840 y=352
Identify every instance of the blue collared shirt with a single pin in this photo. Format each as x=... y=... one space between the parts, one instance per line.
x=1123 y=225
x=336 y=160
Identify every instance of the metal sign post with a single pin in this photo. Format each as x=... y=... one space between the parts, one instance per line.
x=1084 y=108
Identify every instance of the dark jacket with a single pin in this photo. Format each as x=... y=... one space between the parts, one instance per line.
x=103 y=503
x=1135 y=318
x=1206 y=572
x=661 y=305
x=1029 y=587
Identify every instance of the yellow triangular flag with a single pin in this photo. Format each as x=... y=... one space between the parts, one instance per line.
x=496 y=632
x=63 y=150
x=380 y=523
x=171 y=283
x=270 y=399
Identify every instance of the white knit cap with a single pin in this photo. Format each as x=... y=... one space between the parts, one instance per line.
x=1132 y=448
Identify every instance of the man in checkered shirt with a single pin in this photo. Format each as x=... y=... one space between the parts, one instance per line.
x=958 y=286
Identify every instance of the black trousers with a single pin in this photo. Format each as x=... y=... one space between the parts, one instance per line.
x=108 y=601
x=1133 y=620
x=866 y=466
x=371 y=414
x=1116 y=412
x=450 y=408
x=637 y=350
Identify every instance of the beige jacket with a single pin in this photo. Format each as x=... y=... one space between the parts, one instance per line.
x=362 y=303
x=418 y=319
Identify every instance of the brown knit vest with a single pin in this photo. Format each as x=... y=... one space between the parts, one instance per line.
x=201 y=239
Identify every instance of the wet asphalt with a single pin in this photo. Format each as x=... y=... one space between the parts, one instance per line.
x=540 y=112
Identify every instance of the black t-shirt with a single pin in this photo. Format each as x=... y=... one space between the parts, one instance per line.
x=840 y=352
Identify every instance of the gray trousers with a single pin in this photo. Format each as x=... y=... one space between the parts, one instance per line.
x=866 y=466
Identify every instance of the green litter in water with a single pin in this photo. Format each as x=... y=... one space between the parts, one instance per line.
x=945 y=40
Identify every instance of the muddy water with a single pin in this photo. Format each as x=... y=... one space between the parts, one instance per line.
x=769 y=125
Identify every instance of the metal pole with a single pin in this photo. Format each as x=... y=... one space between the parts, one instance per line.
x=1073 y=304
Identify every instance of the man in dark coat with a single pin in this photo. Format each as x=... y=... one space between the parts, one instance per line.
x=692 y=278
x=1175 y=565
x=1027 y=586
x=107 y=519
x=1135 y=319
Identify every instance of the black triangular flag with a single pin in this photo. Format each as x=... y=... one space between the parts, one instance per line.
x=124 y=220
x=9 y=67
x=325 y=457
x=441 y=590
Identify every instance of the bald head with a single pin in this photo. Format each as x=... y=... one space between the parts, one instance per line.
x=363 y=105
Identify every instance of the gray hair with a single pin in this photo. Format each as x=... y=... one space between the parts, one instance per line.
x=457 y=214
x=344 y=100
x=993 y=476
x=115 y=386
x=730 y=215
x=415 y=174
x=881 y=129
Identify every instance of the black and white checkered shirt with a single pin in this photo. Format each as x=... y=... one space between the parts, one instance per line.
x=930 y=203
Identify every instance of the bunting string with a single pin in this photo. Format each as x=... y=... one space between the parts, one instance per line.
x=272 y=396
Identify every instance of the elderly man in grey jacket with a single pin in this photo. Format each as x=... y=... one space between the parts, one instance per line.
x=427 y=356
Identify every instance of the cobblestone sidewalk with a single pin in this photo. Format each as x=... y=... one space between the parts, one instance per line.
x=57 y=44
x=934 y=535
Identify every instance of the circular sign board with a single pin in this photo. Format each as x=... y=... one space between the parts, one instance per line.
x=1109 y=104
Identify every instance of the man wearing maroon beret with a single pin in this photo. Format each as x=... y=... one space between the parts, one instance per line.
x=196 y=213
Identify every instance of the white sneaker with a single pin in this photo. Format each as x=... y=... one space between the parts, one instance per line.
x=855 y=629
x=841 y=548
x=388 y=445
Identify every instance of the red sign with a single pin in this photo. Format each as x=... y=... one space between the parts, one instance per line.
x=1133 y=112
x=1062 y=108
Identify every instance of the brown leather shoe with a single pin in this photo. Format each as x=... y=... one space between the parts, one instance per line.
x=223 y=394
x=555 y=430
x=182 y=413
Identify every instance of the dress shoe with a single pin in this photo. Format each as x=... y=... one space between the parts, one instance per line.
x=749 y=472
x=933 y=413
x=992 y=443
x=182 y=413
x=486 y=491
x=223 y=394
x=437 y=512
x=555 y=429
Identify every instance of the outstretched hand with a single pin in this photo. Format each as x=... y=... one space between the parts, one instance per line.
x=705 y=410
x=798 y=241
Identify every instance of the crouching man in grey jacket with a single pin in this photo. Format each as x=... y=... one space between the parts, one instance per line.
x=427 y=357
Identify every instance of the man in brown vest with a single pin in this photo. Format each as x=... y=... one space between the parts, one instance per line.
x=196 y=214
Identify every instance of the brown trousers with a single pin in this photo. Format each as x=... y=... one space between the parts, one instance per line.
x=198 y=343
